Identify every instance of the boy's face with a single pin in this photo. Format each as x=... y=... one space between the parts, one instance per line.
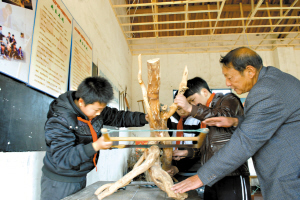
x=197 y=98
x=91 y=110
x=182 y=113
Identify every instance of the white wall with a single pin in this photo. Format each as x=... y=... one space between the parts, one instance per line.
x=205 y=65
x=20 y=175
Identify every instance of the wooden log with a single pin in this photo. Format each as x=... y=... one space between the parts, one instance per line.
x=143 y=164
x=158 y=121
x=163 y=180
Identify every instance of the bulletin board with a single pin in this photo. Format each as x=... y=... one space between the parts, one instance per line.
x=49 y=67
x=23 y=114
x=16 y=38
x=81 y=57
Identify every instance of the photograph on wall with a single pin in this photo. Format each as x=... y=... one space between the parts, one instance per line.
x=16 y=28
x=50 y=57
x=81 y=57
x=22 y=3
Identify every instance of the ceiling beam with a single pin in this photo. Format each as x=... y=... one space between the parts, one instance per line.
x=252 y=14
x=208 y=28
x=219 y=15
x=282 y=17
x=294 y=13
x=123 y=31
x=155 y=17
x=205 y=47
x=229 y=34
x=243 y=23
x=227 y=8
x=186 y=17
x=215 y=41
x=161 y=3
x=207 y=20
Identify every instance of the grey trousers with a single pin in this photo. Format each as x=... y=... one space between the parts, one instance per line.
x=56 y=190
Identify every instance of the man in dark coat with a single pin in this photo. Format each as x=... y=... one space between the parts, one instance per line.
x=269 y=130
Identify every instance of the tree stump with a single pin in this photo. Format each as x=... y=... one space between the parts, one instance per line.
x=158 y=117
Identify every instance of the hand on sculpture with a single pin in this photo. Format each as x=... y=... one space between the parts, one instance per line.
x=173 y=171
x=182 y=102
x=221 y=121
x=179 y=154
x=188 y=184
x=147 y=117
x=101 y=144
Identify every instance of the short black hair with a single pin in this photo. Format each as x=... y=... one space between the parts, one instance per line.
x=240 y=58
x=95 y=89
x=195 y=85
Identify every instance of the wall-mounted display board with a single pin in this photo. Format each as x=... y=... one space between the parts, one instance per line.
x=81 y=57
x=49 y=68
x=16 y=27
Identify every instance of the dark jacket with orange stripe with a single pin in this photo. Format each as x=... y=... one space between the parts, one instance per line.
x=228 y=105
x=69 y=153
x=191 y=163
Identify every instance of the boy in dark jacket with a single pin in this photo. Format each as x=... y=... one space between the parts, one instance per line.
x=183 y=159
x=202 y=104
x=73 y=136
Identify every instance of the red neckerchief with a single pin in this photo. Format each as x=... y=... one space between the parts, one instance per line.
x=179 y=127
x=207 y=105
x=94 y=135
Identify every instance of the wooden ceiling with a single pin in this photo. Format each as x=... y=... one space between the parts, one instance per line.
x=198 y=26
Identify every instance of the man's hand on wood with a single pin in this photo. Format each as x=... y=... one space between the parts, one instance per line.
x=173 y=171
x=188 y=184
x=147 y=117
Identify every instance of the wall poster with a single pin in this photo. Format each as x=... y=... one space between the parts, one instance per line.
x=51 y=46
x=81 y=57
x=16 y=27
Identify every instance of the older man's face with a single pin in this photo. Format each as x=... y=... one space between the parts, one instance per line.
x=240 y=83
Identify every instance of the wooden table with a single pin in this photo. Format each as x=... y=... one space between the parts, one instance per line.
x=132 y=192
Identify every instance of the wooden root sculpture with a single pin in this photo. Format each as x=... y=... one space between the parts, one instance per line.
x=158 y=117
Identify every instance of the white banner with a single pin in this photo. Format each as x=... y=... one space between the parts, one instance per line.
x=51 y=46
x=81 y=57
